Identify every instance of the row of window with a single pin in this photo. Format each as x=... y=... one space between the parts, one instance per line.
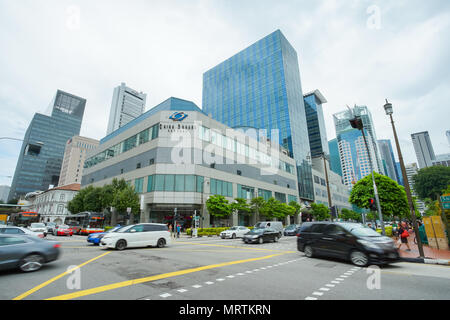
x=124 y=146
x=231 y=144
x=194 y=183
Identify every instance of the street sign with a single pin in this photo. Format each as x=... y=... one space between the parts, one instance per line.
x=445 y=199
x=129 y=210
x=446 y=205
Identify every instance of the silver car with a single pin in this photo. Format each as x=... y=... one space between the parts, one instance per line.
x=28 y=253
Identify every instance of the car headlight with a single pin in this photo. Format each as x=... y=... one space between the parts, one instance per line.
x=254 y=237
x=368 y=244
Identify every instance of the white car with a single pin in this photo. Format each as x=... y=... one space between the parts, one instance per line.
x=234 y=232
x=19 y=231
x=137 y=235
x=38 y=227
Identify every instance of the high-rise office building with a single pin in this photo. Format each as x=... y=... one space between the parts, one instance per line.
x=127 y=104
x=260 y=87
x=73 y=161
x=317 y=132
x=400 y=174
x=4 y=192
x=387 y=157
x=423 y=148
x=342 y=123
x=335 y=159
x=42 y=151
x=411 y=170
x=442 y=160
x=355 y=161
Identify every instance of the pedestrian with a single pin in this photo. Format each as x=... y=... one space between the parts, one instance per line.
x=178 y=230
x=170 y=228
x=403 y=235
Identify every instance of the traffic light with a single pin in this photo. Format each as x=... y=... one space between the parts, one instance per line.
x=372 y=205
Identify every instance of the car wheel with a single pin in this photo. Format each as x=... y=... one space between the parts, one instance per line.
x=32 y=262
x=261 y=240
x=359 y=258
x=309 y=252
x=161 y=243
x=121 y=244
x=233 y=236
x=275 y=239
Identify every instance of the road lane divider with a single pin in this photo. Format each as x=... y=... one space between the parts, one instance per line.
x=113 y=286
x=42 y=285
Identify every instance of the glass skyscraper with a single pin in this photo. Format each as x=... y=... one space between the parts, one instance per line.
x=42 y=151
x=335 y=159
x=387 y=156
x=317 y=132
x=260 y=87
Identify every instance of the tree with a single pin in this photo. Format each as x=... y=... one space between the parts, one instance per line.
x=241 y=206
x=392 y=196
x=347 y=214
x=274 y=209
x=297 y=207
x=256 y=204
x=320 y=211
x=430 y=182
x=127 y=198
x=218 y=206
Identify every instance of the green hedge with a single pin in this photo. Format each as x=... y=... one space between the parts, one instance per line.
x=388 y=230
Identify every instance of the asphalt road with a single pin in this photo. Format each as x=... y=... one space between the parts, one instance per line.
x=212 y=268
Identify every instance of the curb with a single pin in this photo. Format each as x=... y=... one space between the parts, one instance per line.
x=427 y=261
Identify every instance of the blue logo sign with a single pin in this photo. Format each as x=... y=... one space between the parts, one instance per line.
x=178 y=116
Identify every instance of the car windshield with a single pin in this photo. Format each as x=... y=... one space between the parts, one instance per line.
x=292 y=226
x=257 y=231
x=38 y=225
x=63 y=227
x=361 y=231
x=124 y=229
x=116 y=229
x=233 y=228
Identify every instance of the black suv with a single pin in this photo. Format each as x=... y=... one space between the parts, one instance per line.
x=350 y=241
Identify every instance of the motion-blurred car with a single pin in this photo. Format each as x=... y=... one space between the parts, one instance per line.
x=20 y=231
x=344 y=240
x=38 y=227
x=261 y=235
x=28 y=253
x=234 y=232
x=63 y=230
x=291 y=230
x=95 y=238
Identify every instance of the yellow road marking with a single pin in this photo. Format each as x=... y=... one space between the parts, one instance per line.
x=122 y=284
x=23 y=295
x=234 y=247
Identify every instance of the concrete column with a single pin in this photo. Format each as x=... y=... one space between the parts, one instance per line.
x=287 y=220
x=113 y=217
x=206 y=220
x=235 y=219
x=145 y=214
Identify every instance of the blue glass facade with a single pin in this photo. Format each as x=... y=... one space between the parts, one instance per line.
x=387 y=157
x=317 y=132
x=335 y=160
x=399 y=174
x=42 y=151
x=260 y=87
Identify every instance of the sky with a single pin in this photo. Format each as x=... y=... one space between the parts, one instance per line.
x=354 y=51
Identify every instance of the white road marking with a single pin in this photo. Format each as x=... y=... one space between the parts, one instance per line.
x=330 y=285
x=310 y=298
x=220 y=279
x=196 y=286
x=230 y=276
x=316 y=293
x=324 y=289
x=209 y=282
x=340 y=279
x=337 y=282
x=182 y=290
x=165 y=295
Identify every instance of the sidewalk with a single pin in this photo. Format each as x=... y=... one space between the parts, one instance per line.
x=430 y=253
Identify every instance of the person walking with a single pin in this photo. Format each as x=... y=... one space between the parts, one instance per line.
x=178 y=230
x=403 y=234
x=170 y=229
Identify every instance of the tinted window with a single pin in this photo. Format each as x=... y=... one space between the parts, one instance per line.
x=138 y=228
x=12 y=231
x=333 y=229
x=154 y=227
x=8 y=241
x=317 y=228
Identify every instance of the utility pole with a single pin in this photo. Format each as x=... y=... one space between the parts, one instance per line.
x=328 y=184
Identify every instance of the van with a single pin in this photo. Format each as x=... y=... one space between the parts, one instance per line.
x=276 y=225
x=344 y=240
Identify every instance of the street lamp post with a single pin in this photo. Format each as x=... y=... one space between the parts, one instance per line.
x=330 y=205
x=389 y=111
x=358 y=124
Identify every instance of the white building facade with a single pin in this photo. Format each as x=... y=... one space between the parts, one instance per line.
x=127 y=104
x=52 y=204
